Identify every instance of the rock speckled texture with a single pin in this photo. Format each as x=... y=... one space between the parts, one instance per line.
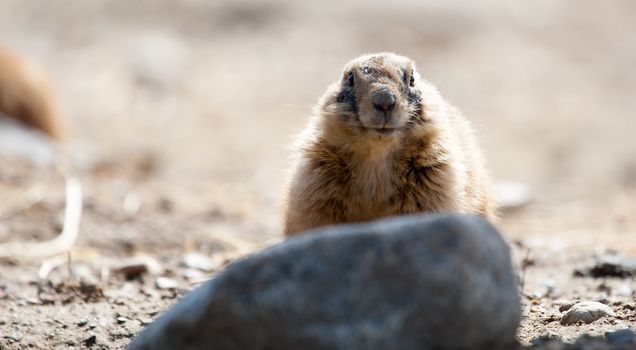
x=624 y=339
x=421 y=282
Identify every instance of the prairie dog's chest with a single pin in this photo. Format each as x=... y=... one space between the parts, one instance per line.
x=372 y=185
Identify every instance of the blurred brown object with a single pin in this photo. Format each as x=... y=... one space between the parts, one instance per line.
x=27 y=95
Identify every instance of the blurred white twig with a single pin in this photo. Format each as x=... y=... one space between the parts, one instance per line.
x=64 y=241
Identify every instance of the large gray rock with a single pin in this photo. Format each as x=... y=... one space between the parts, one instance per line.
x=421 y=282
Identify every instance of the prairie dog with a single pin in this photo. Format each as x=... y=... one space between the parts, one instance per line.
x=26 y=95
x=384 y=142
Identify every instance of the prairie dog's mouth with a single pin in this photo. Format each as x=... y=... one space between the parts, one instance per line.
x=385 y=130
x=382 y=123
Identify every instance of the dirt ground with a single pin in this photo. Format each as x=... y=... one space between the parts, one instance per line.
x=180 y=113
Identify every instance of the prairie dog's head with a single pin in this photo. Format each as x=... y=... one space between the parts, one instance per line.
x=378 y=94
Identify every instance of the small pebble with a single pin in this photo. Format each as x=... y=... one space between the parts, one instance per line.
x=145 y=321
x=121 y=319
x=538 y=294
x=92 y=325
x=34 y=301
x=15 y=337
x=588 y=312
x=82 y=322
x=195 y=276
x=131 y=269
x=90 y=341
x=566 y=306
x=166 y=283
x=537 y=308
x=201 y=262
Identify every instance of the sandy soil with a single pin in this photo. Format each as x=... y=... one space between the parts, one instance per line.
x=180 y=114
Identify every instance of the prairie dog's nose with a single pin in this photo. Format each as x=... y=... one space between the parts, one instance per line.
x=383 y=99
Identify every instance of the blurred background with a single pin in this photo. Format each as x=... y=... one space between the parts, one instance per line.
x=210 y=93
x=180 y=114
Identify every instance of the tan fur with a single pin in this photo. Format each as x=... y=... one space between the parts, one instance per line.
x=360 y=163
x=26 y=95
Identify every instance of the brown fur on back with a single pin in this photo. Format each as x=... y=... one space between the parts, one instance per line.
x=348 y=171
x=26 y=95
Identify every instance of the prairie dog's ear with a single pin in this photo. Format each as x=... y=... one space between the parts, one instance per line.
x=411 y=77
x=351 y=79
x=350 y=75
x=414 y=77
x=27 y=95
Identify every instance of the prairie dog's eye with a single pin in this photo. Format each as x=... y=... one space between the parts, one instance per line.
x=412 y=80
x=351 y=80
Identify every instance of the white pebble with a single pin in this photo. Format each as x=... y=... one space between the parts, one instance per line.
x=166 y=283
x=202 y=262
x=587 y=311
